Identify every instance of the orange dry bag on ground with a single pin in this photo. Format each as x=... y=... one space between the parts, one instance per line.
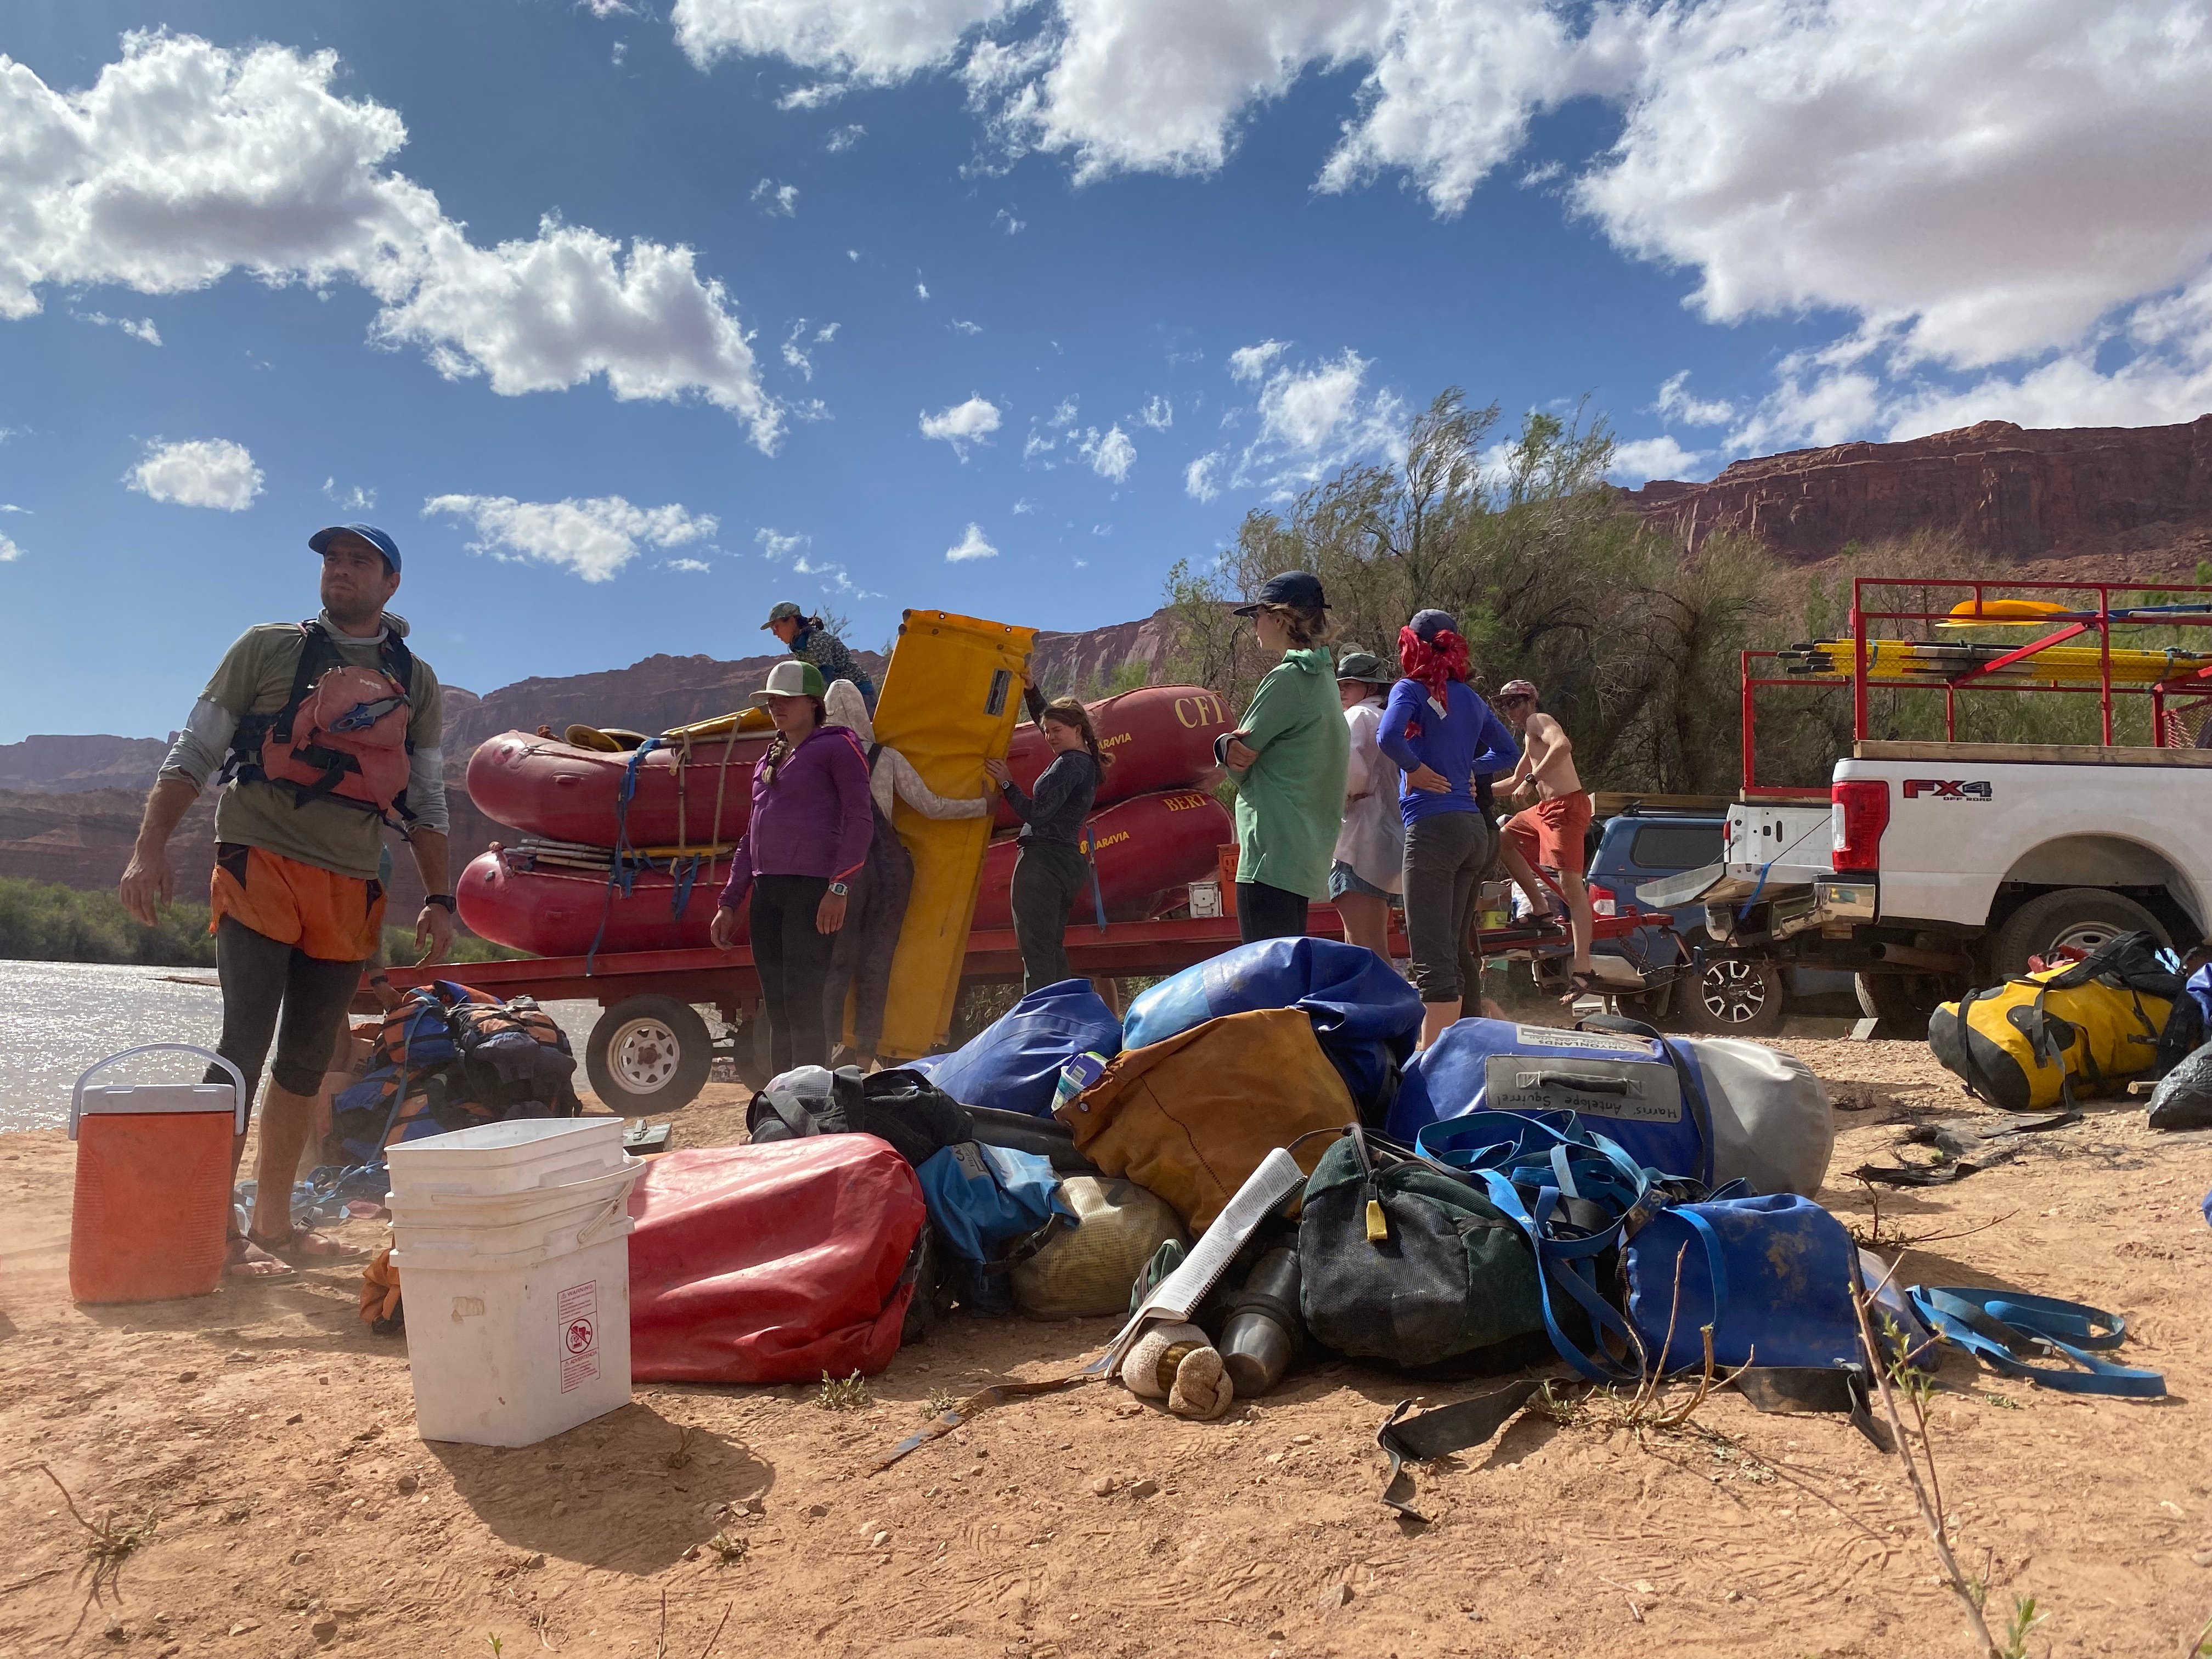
x=1192 y=1116
x=152 y=1213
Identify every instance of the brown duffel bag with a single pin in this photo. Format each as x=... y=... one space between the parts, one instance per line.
x=1191 y=1118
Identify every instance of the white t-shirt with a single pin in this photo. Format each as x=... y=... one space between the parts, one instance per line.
x=1373 y=838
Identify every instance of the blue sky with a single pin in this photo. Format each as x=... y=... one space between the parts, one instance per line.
x=632 y=320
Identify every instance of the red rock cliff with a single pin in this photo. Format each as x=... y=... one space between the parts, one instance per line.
x=2018 y=494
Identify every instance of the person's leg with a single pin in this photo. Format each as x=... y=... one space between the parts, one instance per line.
x=894 y=880
x=1268 y=912
x=846 y=946
x=251 y=968
x=1366 y=920
x=765 y=926
x=1517 y=850
x=1566 y=822
x=1432 y=846
x=316 y=995
x=806 y=951
x=1043 y=888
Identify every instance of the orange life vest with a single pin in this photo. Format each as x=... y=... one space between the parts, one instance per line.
x=341 y=733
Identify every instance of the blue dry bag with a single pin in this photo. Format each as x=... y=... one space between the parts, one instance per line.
x=1772 y=1275
x=1365 y=1014
x=1645 y=1093
x=1014 y=1065
x=985 y=1197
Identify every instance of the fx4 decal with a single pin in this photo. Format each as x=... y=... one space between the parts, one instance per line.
x=1945 y=789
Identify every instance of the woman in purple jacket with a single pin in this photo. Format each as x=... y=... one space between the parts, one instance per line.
x=811 y=822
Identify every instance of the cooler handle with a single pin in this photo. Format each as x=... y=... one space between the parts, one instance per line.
x=237 y=1078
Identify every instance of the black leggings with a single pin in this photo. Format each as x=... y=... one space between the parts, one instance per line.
x=862 y=950
x=1048 y=877
x=793 y=957
x=1265 y=912
x=260 y=976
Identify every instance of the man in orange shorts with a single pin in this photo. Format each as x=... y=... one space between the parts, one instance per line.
x=297 y=905
x=1551 y=832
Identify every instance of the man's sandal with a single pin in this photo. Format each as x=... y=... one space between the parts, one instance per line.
x=1583 y=982
x=250 y=1264
x=303 y=1247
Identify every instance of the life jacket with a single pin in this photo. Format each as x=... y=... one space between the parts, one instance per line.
x=341 y=733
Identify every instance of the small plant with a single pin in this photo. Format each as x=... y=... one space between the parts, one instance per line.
x=1547 y=1402
x=681 y=1456
x=727 y=1548
x=109 y=1543
x=850 y=1395
x=497 y=1646
x=940 y=1401
x=2018 y=1628
x=2001 y=1401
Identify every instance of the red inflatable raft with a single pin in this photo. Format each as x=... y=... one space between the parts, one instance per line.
x=557 y=791
x=1143 y=849
x=1158 y=737
x=556 y=911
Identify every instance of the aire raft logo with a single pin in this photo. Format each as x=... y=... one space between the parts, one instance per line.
x=1946 y=789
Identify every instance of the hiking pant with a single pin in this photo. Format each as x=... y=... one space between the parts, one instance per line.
x=1265 y=912
x=793 y=958
x=264 y=979
x=861 y=960
x=1446 y=854
x=1048 y=876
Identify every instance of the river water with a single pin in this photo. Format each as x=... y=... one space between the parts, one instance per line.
x=57 y=1017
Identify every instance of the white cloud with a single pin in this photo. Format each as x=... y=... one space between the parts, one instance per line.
x=826 y=333
x=353 y=499
x=812 y=97
x=1675 y=403
x=961 y=424
x=962 y=325
x=854 y=254
x=1645 y=459
x=1157 y=414
x=8 y=551
x=1045 y=435
x=774 y=198
x=595 y=536
x=775 y=544
x=1110 y=456
x=1004 y=220
x=921 y=290
x=1251 y=363
x=797 y=354
x=609 y=8
x=970 y=546
x=865 y=41
x=689 y=566
x=142 y=329
x=843 y=138
x=1199 y=477
x=186 y=161
x=1023 y=505
x=203 y=472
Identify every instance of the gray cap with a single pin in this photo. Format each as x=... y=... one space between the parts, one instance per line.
x=1364 y=666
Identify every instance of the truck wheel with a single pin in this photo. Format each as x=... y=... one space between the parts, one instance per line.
x=1902 y=1002
x=1734 y=996
x=2083 y=917
x=754 y=1057
x=648 y=1054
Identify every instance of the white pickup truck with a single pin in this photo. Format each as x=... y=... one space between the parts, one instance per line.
x=1938 y=866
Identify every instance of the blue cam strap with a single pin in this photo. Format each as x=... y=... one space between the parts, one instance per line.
x=1993 y=1325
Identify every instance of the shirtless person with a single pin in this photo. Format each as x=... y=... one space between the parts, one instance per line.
x=1551 y=832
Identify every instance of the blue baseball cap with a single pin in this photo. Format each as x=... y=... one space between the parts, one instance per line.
x=320 y=541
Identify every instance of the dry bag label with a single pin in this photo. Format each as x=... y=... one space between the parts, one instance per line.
x=578 y=1310
x=1634 y=1090
x=1549 y=1037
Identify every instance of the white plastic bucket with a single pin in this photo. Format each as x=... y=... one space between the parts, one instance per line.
x=519 y=1156
x=472 y=1210
x=507 y=1350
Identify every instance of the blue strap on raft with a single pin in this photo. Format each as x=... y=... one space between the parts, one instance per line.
x=1995 y=1326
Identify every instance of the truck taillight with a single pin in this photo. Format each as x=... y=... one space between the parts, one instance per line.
x=1602 y=902
x=1860 y=813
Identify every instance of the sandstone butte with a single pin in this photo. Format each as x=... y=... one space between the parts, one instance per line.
x=2019 y=495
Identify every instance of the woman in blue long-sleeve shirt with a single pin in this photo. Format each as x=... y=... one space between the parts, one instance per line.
x=1449 y=743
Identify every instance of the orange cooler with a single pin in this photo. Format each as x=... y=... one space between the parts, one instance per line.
x=153 y=1183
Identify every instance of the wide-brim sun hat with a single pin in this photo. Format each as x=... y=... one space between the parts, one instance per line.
x=792 y=678
x=1363 y=666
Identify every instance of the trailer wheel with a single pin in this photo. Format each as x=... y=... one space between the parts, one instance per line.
x=648 y=1054
x=2086 y=918
x=1735 y=996
x=754 y=1056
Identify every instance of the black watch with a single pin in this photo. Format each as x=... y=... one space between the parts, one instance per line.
x=443 y=901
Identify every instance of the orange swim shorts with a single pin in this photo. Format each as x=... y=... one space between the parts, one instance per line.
x=330 y=917
x=1551 y=832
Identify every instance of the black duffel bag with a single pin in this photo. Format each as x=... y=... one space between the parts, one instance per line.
x=900 y=1106
x=1403 y=1261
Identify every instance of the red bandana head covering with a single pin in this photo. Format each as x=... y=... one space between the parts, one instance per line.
x=1435 y=661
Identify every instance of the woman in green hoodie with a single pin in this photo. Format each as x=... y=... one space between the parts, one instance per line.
x=1288 y=759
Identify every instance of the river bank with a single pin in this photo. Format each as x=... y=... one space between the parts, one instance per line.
x=269 y=1437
